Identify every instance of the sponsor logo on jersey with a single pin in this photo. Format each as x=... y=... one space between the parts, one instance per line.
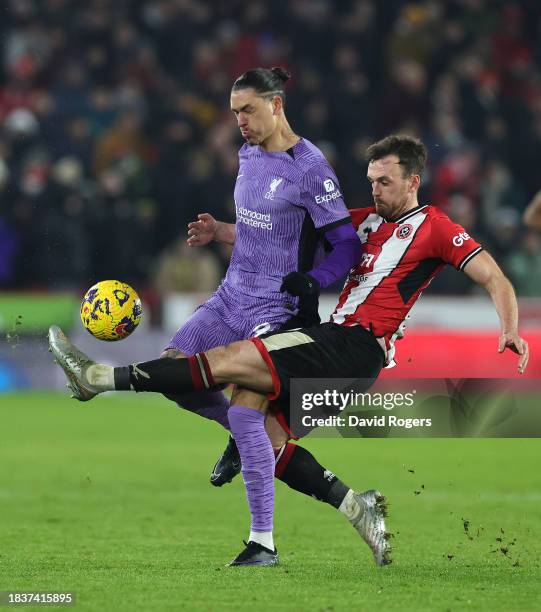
x=254 y=218
x=329 y=185
x=403 y=231
x=460 y=239
x=272 y=188
x=328 y=197
x=360 y=278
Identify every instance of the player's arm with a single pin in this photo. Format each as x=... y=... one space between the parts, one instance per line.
x=485 y=272
x=532 y=214
x=206 y=229
x=322 y=199
x=346 y=250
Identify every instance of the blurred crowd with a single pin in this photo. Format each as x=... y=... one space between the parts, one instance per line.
x=115 y=129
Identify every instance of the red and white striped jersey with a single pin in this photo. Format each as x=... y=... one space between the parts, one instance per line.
x=398 y=261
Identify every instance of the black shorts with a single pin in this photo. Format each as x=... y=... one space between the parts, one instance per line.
x=323 y=351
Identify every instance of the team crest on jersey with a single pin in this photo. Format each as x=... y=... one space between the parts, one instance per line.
x=272 y=188
x=403 y=231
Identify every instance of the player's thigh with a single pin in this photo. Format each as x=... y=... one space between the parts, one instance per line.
x=205 y=329
x=240 y=363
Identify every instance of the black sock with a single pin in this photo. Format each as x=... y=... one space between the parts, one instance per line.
x=299 y=469
x=166 y=375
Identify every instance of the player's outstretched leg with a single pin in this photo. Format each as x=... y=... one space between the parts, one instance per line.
x=239 y=363
x=87 y=378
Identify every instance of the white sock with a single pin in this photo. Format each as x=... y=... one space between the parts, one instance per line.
x=349 y=506
x=262 y=537
x=101 y=376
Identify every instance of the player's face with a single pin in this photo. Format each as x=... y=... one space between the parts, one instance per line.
x=257 y=116
x=391 y=190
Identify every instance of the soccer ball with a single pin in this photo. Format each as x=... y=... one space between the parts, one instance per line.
x=111 y=310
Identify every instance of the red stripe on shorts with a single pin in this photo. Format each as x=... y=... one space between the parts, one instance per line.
x=272 y=369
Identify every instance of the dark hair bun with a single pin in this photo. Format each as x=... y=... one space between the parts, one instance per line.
x=283 y=74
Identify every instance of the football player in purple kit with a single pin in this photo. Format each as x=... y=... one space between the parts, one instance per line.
x=288 y=206
x=288 y=203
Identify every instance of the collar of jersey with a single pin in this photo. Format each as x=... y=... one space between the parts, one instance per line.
x=408 y=214
x=280 y=153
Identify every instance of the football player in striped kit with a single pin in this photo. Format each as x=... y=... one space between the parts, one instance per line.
x=405 y=245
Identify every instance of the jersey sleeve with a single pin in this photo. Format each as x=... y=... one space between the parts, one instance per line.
x=321 y=196
x=358 y=215
x=452 y=243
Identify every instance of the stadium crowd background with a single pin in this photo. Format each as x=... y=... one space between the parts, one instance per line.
x=115 y=127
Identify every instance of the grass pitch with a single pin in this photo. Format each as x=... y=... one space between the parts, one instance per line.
x=111 y=500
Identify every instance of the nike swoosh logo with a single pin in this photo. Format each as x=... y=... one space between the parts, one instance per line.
x=238 y=176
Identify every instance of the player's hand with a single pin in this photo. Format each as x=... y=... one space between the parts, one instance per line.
x=300 y=284
x=515 y=343
x=202 y=231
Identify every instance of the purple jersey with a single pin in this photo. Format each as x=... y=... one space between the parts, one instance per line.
x=285 y=201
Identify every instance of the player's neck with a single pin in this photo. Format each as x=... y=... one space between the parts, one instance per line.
x=282 y=139
x=406 y=208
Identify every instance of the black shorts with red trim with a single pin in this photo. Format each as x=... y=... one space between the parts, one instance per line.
x=324 y=351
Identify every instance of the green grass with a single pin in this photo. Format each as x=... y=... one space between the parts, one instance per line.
x=111 y=500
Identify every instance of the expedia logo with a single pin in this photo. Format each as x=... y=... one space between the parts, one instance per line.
x=460 y=239
x=404 y=231
x=320 y=199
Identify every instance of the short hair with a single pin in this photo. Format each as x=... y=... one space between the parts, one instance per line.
x=411 y=152
x=264 y=81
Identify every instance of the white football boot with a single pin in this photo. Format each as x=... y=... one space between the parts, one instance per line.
x=366 y=512
x=74 y=363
